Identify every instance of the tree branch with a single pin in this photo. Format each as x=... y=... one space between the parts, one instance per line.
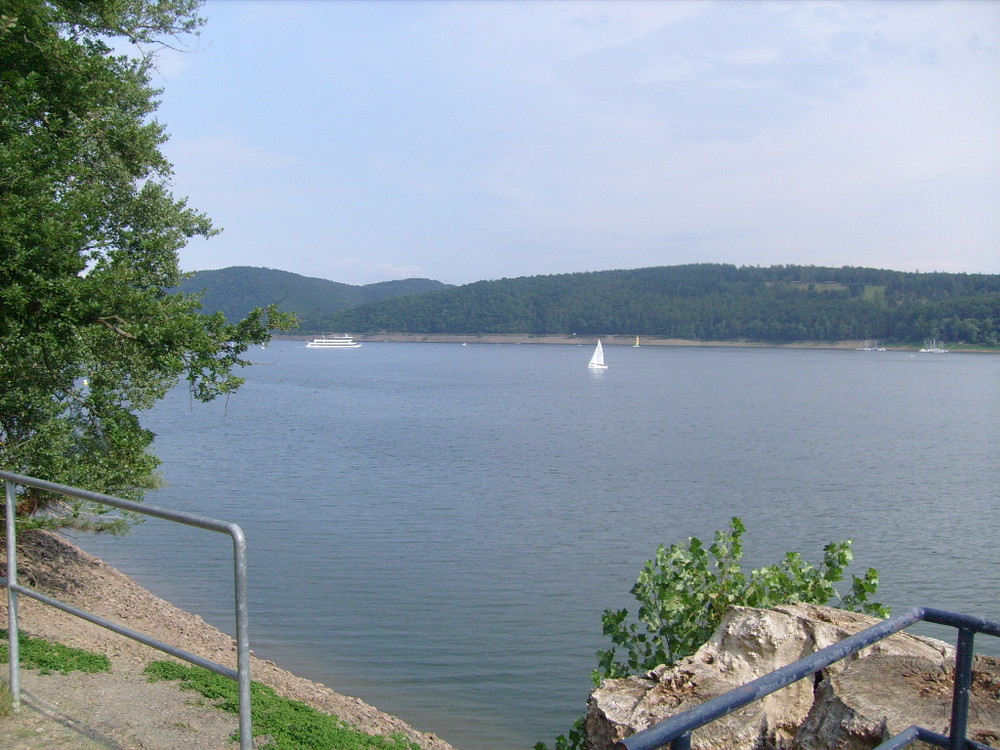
x=111 y=321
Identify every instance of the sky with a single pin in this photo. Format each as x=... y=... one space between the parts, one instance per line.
x=463 y=140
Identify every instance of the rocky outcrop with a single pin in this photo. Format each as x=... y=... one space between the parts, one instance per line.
x=880 y=696
x=839 y=708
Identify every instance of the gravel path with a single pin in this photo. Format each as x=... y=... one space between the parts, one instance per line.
x=122 y=710
x=115 y=711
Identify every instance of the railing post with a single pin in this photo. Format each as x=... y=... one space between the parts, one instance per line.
x=242 y=635
x=963 y=686
x=13 y=652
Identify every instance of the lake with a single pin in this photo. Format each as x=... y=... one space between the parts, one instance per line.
x=436 y=528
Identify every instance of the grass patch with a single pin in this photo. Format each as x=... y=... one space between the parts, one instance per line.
x=6 y=700
x=874 y=294
x=48 y=656
x=290 y=724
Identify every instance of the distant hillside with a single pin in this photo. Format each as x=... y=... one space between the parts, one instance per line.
x=236 y=290
x=710 y=302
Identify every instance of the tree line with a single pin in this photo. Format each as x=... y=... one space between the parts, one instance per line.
x=236 y=290
x=710 y=302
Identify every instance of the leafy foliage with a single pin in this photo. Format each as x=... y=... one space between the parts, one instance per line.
x=709 y=302
x=49 y=656
x=575 y=739
x=89 y=234
x=291 y=725
x=684 y=591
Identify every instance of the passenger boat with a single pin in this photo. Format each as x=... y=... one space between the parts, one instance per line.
x=334 y=342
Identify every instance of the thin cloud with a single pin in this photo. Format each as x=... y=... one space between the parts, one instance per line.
x=474 y=140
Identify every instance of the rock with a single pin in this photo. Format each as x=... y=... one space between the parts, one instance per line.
x=748 y=644
x=879 y=696
x=619 y=708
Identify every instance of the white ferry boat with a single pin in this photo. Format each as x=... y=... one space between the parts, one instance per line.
x=334 y=342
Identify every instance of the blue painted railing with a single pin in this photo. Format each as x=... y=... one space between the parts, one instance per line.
x=677 y=729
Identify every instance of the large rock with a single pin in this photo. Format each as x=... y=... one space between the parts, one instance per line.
x=878 y=697
x=748 y=644
x=619 y=708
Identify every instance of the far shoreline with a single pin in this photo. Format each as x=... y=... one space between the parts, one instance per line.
x=609 y=340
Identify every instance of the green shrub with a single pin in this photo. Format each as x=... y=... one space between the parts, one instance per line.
x=47 y=656
x=684 y=592
x=290 y=724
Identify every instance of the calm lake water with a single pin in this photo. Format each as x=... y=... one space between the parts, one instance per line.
x=436 y=528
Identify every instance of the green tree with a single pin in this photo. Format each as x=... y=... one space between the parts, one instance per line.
x=89 y=232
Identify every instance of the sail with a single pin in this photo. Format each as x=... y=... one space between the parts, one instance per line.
x=597 y=361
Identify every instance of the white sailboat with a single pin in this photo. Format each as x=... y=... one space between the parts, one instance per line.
x=597 y=361
x=636 y=344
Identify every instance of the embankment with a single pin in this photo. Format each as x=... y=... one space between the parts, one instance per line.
x=58 y=568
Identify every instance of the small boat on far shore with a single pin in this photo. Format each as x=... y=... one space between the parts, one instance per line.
x=334 y=342
x=871 y=346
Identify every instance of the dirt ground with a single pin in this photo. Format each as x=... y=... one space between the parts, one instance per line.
x=115 y=711
x=122 y=710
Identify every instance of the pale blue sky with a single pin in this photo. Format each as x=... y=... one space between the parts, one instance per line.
x=467 y=140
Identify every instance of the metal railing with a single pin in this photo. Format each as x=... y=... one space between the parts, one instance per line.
x=677 y=729
x=241 y=674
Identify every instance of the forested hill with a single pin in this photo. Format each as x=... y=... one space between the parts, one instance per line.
x=711 y=302
x=238 y=289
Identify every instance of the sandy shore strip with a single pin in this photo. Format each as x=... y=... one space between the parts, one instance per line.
x=528 y=338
